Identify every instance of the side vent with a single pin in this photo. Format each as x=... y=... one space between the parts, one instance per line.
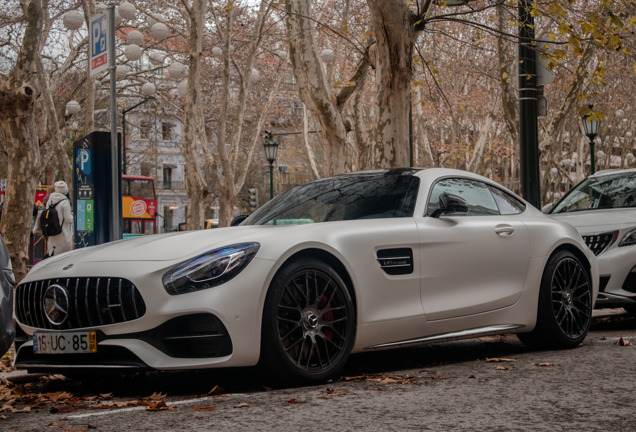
x=396 y=261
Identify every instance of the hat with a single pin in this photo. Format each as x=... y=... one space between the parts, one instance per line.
x=61 y=187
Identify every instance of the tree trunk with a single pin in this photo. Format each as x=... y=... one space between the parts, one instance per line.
x=192 y=120
x=395 y=37
x=18 y=94
x=313 y=87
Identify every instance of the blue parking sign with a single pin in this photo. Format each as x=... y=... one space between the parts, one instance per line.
x=98 y=44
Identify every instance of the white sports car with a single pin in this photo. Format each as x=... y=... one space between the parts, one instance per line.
x=603 y=209
x=347 y=264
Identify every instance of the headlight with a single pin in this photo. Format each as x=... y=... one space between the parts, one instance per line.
x=210 y=269
x=629 y=239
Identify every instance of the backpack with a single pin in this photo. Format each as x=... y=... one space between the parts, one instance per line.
x=50 y=222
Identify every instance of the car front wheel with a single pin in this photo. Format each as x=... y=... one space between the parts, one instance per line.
x=565 y=304
x=308 y=324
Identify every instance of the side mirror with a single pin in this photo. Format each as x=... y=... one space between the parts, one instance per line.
x=449 y=203
x=238 y=219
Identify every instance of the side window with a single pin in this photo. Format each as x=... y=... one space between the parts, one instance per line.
x=508 y=204
x=477 y=195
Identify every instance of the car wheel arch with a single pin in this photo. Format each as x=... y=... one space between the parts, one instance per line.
x=578 y=253
x=329 y=259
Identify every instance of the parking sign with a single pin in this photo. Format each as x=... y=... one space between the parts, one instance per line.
x=99 y=44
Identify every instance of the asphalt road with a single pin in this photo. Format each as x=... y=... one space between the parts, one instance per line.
x=488 y=384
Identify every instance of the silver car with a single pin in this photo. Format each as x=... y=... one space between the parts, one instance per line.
x=603 y=209
x=357 y=262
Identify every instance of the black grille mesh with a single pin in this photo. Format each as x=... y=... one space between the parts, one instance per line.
x=599 y=242
x=92 y=302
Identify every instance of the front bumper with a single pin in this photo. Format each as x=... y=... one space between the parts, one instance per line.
x=617 y=267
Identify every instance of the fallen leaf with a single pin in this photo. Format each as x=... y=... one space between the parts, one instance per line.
x=215 y=391
x=623 y=342
x=204 y=408
x=156 y=396
x=244 y=404
x=544 y=364
x=502 y=368
x=337 y=392
x=499 y=360
x=294 y=401
x=158 y=406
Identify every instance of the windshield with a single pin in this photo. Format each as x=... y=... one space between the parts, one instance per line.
x=604 y=192
x=347 y=197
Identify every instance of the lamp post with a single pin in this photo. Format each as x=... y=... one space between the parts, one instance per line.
x=591 y=124
x=271 y=149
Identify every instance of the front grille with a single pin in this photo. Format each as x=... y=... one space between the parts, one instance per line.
x=599 y=242
x=91 y=302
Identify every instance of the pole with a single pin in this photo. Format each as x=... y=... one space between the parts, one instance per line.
x=271 y=180
x=592 y=162
x=528 y=129
x=115 y=231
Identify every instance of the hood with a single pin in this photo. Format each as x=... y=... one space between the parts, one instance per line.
x=160 y=247
x=597 y=221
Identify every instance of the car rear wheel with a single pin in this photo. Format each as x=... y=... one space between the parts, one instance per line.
x=565 y=304
x=308 y=324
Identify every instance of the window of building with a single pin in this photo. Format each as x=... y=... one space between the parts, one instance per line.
x=167 y=131
x=167 y=177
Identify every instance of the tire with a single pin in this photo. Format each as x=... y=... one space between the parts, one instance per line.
x=309 y=324
x=564 y=310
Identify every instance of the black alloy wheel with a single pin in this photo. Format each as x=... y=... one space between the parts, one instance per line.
x=565 y=304
x=308 y=324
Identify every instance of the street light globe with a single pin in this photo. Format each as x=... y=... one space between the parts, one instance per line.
x=127 y=10
x=72 y=107
x=121 y=71
x=135 y=37
x=629 y=158
x=182 y=88
x=216 y=51
x=148 y=89
x=326 y=55
x=553 y=172
x=73 y=20
x=176 y=70
x=156 y=58
x=118 y=18
x=133 y=52
x=159 y=31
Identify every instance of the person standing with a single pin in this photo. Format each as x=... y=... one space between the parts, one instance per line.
x=62 y=242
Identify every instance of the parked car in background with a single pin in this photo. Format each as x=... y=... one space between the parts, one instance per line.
x=7 y=281
x=603 y=209
x=352 y=263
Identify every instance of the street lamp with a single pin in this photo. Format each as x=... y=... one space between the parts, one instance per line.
x=271 y=149
x=591 y=124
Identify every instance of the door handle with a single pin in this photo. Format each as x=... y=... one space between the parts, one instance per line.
x=504 y=230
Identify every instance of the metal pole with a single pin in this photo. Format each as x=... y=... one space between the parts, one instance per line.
x=528 y=129
x=115 y=223
x=271 y=180
x=123 y=142
x=592 y=162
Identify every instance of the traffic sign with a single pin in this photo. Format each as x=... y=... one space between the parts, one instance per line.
x=98 y=58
